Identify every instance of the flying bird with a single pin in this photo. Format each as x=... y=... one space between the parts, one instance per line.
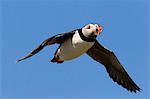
x=79 y=41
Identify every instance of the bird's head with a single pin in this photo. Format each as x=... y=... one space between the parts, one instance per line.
x=92 y=30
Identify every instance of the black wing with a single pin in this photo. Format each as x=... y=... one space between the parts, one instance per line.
x=60 y=38
x=113 y=66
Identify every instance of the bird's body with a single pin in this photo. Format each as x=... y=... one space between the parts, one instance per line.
x=73 y=48
x=77 y=42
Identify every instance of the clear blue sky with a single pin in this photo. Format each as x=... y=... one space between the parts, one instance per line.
x=25 y=24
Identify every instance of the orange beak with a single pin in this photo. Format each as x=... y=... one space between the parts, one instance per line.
x=98 y=30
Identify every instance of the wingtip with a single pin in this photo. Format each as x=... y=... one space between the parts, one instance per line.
x=17 y=61
x=136 y=90
x=139 y=90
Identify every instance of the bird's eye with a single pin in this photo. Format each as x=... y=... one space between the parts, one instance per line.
x=88 y=27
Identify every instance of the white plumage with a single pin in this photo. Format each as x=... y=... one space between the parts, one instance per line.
x=75 y=43
x=73 y=47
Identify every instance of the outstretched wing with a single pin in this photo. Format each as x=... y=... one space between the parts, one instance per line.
x=60 y=38
x=113 y=66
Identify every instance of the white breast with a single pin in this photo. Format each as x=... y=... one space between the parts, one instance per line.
x=73 y=48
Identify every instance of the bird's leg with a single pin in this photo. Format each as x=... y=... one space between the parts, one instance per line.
x=57 y=59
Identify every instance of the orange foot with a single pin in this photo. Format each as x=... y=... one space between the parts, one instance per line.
x=57 y=60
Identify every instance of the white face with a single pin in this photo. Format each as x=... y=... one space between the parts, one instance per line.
x=91 y=30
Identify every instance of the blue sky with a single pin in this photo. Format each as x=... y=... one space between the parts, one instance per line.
x=25 y=24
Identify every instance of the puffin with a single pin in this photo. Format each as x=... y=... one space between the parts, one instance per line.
x=83 y=40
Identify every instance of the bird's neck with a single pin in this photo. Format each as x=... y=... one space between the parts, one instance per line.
x=88 y=39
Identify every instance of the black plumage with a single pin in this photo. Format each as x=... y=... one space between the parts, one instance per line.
x=113 y=66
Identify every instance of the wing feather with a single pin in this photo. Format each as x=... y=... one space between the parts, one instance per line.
x=113 y=66
x=59 y=39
